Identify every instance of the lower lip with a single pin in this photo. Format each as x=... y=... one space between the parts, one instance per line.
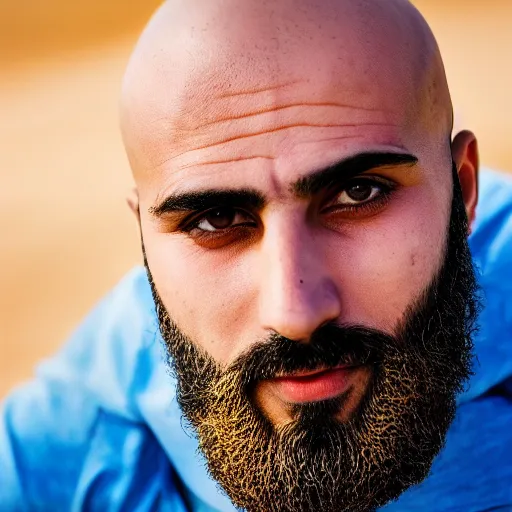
x=314 y=387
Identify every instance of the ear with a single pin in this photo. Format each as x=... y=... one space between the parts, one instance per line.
x=466 y=158
x=133 y=203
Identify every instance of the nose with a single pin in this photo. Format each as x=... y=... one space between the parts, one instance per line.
x=297 y=293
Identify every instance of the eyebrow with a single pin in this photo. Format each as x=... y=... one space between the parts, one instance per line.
x=347 y=168
x=303 y=188
x=203 y=200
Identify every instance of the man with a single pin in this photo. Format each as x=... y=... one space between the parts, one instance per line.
x=304 y=221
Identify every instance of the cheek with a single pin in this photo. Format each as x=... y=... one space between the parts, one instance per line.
x=391 y=263
x=207 y=297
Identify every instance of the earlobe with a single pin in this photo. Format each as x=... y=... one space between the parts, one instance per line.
x=466 y=158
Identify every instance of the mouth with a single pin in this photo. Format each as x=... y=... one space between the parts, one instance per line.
x=314 y=386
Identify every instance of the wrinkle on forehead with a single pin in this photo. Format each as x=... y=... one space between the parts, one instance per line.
x=210 y=71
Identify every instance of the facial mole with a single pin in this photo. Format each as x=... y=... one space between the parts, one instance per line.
x=301 y=281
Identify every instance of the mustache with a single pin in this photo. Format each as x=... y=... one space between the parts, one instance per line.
x=329 y=346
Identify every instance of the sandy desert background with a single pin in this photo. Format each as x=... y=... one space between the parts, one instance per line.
x=66 y=234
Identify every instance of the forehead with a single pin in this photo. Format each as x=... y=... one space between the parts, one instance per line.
x=262 y=90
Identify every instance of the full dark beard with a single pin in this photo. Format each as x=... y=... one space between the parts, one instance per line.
x=316 y=462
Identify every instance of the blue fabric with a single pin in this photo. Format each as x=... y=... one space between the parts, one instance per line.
x=99 y=427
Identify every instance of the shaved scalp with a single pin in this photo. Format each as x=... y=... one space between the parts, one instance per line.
x=200 y=62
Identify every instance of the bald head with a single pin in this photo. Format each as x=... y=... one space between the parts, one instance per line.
x=292 y=161
x=209 y=73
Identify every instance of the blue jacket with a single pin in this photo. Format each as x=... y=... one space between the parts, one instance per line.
x=99 y=427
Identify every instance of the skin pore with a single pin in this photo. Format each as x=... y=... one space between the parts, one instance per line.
x=293 y=170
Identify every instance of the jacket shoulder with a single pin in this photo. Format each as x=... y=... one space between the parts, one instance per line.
x=491 y=246
x=48 y=426
x=491 y=240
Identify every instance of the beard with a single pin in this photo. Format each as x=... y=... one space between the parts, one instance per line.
x=315 y=461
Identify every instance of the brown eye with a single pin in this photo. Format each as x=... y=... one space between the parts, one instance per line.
x=219 y=219
x=359 y=192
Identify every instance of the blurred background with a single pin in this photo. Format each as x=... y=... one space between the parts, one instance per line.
x=66 y=233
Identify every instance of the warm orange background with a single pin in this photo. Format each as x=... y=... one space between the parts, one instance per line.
x=66 y=234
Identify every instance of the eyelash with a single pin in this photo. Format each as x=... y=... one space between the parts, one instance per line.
x=387 y=188
x=190 y=224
